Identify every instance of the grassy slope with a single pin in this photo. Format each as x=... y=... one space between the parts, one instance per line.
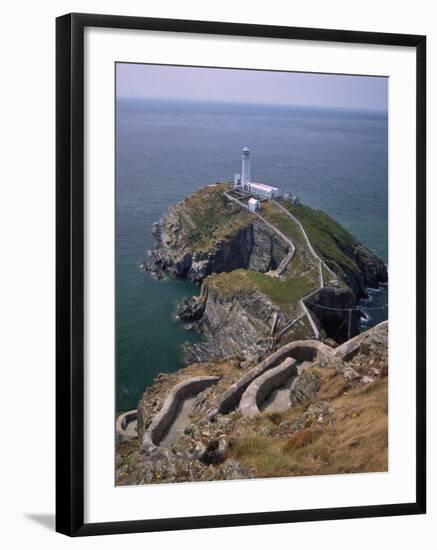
x=212 y=218
x=328 y=238
x=285 y=224
x=282 y=292
x=302 y=259
x=356 y=441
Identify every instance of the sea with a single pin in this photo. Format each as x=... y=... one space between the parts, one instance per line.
x=334 y=160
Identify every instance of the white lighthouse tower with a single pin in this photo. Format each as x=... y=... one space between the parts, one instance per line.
x=261 y=190
x=245 y=167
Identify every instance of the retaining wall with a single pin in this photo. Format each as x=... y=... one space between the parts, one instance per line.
x=250 y=390
x=302 y=350
x=289 y=326
x=123 y=421
x=306 y=312
x=163 y=420
x=349 y=348
x=263 y=386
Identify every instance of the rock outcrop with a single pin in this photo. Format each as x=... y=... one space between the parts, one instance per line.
x=373 y=269
x=237 y=325
x=305 y=388
x=330 y=305
x=206 y=236
x=364 y=271
x=251 y=246
x=348 y=412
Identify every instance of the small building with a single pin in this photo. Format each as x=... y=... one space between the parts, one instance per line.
x=293 y=199
x=237 y=180
x=263 y=190
x=253 y=204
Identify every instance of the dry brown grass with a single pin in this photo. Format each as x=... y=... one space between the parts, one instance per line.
x=211 y=368
x=302 y=438
x=356 y=440
x=332 y=385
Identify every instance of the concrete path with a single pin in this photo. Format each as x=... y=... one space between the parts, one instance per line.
x=284 y=262
x=310 y=246
x=279 y=399
x=181 y=421
x=126 y=424
x=131 y=429
x=290 y=255
x=174 y=414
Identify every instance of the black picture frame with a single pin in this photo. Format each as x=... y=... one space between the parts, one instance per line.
x=70 y=273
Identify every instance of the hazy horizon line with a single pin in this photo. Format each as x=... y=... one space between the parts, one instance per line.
x=253 y=103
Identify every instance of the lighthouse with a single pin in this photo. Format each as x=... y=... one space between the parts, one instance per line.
x=243 y=183
x=245 y=167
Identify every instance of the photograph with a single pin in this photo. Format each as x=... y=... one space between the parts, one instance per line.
x=251 y=274
x=222 y=341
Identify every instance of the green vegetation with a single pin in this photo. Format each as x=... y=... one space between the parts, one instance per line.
x=231 y=283
x=282 y=292
x=211 y=216
x=285 y=292
x=329 y=278
x=279 y=219
x=328 y=238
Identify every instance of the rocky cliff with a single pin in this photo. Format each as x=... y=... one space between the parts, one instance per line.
x=204 y=234
x=353 y=262
x=234 y=254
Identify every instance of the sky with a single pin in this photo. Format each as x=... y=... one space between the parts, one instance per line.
x=246 y=86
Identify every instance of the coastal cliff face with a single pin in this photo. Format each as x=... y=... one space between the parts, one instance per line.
x=239 y=325
x=203 y=234
x=209 y=240
x=373 y=270
x=364 y=270
x=330 y=306
x=357 y=266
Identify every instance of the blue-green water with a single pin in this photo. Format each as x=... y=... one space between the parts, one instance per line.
x=333 y=160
